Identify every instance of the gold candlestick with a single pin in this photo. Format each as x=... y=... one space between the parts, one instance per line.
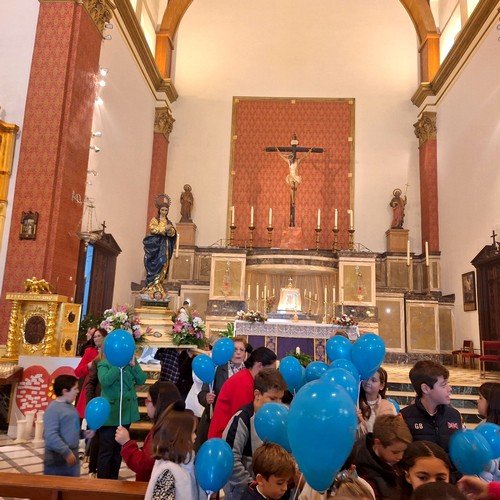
x=252 y=229
x=335 y=247
x=318 y=231
x=351 y=239
x=325 y=317
x=270 y=235
x=232 y=227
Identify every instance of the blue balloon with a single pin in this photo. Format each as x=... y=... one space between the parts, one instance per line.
x=338 y=347
x=322 y=425
x=345 y=379
x=292 y=372
x=346 y=365
x=222 y=351
x=367 y=354
x=97 y=412
x=315 y=370
x=214 y=464
x=396 y=405
x=470 y=452
x=119 y=348
x=271 y=424
x=204 y=368
x=491 y=432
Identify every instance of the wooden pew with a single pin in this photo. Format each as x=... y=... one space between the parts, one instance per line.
x=40 y=487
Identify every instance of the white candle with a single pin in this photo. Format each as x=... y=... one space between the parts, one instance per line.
x=273 y=293
x=248 y=291
x=334 y=295
x=336 y=219
x=326 y=295
x=265 y=290
x=315 y=296
x=257 y=292
x=297 y=350
x=177 y=244
x=427 y=253
x=342 y=295
x=310 y=294
x=270 y=217
x=351 y=221
x=232 y=215
x=319 y=218
x=305 y=292
x=251 y=216
x=408 y=253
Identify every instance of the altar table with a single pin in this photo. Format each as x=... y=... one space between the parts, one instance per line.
x=285 y=337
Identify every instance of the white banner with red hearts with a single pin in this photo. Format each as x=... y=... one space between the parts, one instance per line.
x=35 y=391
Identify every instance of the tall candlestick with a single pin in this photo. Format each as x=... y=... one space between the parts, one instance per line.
x=336 y=220
x=351 y=219
x=319 y=217
x=342 y=295
x=326 y=295
x=408 y=253
x=232 y=215
x=248 y=291
x=251 y=217
x=177 y=245
x=427 y=253
x=334 y=295
x=257 y=292
x=270 y=217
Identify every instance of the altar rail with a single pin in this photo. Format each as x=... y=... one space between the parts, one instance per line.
x=68 y=488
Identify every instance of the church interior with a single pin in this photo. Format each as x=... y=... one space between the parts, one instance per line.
x=319 y=158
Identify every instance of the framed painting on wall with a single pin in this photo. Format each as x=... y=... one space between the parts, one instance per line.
x=469 y=291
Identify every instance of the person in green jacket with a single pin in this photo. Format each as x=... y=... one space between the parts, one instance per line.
x=109 y=458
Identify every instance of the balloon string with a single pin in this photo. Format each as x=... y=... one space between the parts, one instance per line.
x=121 y=394
x=297 y=488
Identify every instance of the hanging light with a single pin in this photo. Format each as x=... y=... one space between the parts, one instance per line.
x=90 y=234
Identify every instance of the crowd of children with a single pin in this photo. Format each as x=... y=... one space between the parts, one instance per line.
x=402 y=456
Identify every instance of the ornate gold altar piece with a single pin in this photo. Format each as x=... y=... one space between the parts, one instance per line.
x=41 y=324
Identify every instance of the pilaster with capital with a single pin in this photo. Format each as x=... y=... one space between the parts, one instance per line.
x=12 y=348
x=425 y=128
x=164 y=121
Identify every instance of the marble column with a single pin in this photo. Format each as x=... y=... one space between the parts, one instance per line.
x=55 y=143
x=426 y=131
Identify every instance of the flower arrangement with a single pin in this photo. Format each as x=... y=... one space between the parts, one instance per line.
x=345 y=320
x=123 y=318
x=252 y=316
x=188 y=329
x=270 y=303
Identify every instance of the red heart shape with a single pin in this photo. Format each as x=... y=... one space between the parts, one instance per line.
x=35 y=391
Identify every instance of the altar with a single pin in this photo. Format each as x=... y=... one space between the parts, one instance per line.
x=284 y=337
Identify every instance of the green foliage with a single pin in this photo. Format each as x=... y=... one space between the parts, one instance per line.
x=228 y=332
x=304 y=359
x=90 y=321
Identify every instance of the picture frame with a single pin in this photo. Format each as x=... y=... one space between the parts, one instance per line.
x=29 y=224
x=469 y=291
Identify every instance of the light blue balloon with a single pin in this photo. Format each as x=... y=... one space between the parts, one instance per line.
x=322 y=425
x=346 y=365
x=222 y=351
x=396 y=406
x=470 y=451
x=367 y=354
x=293 y=373
x=338 y=347
x=491 y=433
x=345 y=379
x=315 y=370
x=204 y=368
x=119 y=348
x=214 y=464
x=271 y=424
x=97 y=412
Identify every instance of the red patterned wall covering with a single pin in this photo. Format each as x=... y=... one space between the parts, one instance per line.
x=429 y=194
x=158 y=174
x=54 y=150
x=258 y=178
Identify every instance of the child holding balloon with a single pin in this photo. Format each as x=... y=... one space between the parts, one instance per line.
x=62 y=430
x=173 y=474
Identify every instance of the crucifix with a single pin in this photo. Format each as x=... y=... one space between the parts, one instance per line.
x=293 y=179
x=493 y=236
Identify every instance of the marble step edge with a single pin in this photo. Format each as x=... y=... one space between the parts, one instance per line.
x=469 y=397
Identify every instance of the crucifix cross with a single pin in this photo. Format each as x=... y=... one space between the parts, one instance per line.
x=293 y=179
x=493 y=236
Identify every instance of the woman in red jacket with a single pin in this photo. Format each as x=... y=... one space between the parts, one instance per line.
x=161 y=395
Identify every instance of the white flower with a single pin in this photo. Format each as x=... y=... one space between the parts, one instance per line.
x=197 y=322
x=183 y=317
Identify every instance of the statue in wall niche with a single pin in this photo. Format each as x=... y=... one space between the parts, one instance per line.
x=186 y=204
x=158 y=248
x=398 y=204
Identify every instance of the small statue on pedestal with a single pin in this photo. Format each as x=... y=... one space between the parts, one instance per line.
x=186 y=204
x=398 y=204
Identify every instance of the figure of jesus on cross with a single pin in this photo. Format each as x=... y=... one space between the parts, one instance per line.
x=293 y=179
